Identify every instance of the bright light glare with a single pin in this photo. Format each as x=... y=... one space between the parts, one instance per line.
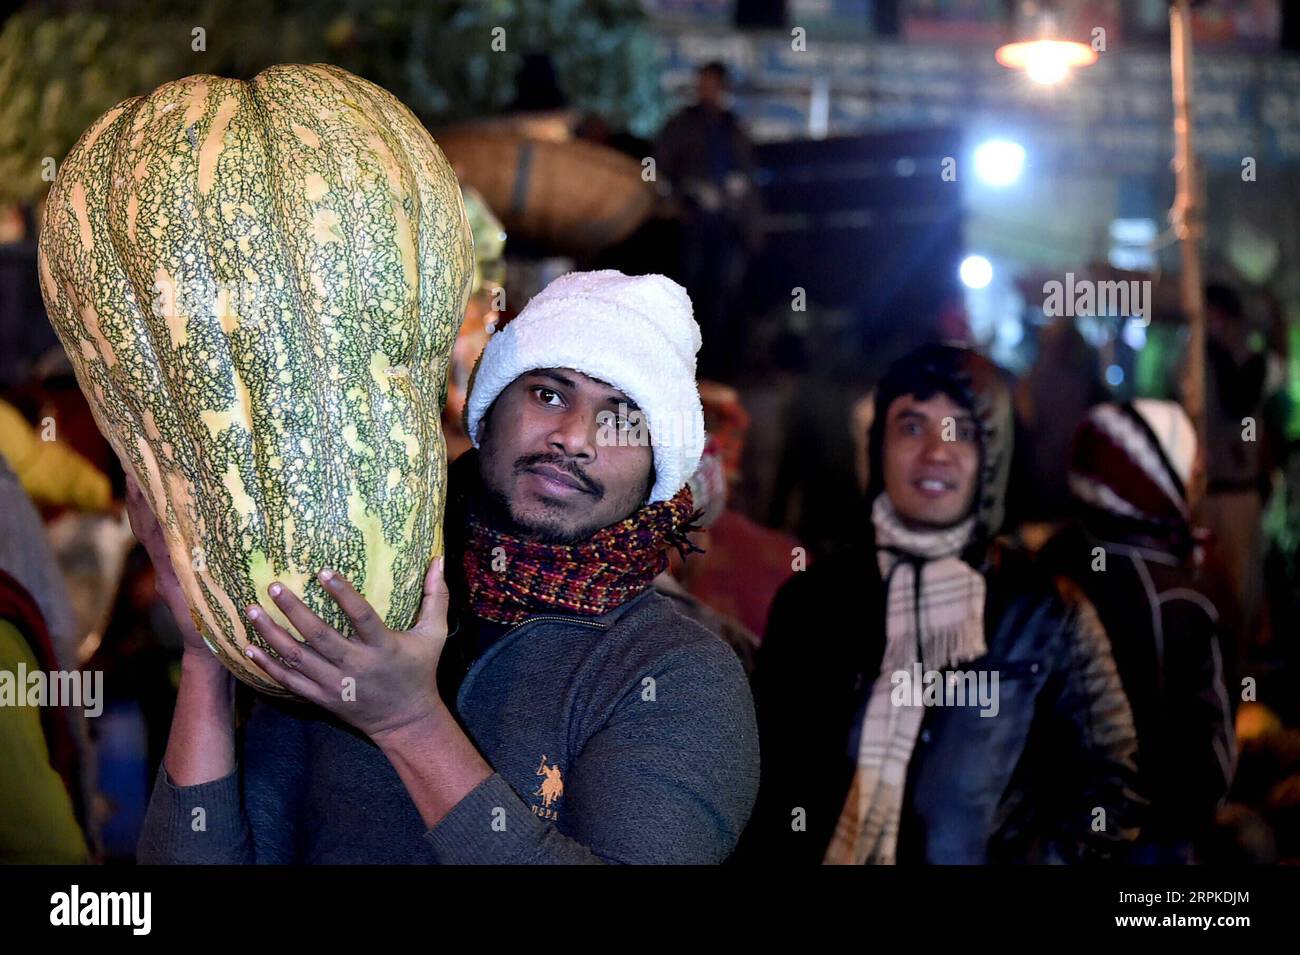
x=999 y=162
x=1010 y=332
x=976 y=271
x=1045 y=67
x=1046 y=61
x=1134 y=335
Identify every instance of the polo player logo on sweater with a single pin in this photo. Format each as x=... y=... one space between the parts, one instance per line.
x=551 y=789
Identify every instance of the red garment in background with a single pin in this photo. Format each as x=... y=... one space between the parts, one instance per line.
x=743 y=566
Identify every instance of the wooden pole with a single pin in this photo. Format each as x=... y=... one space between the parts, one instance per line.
x=1186 y=213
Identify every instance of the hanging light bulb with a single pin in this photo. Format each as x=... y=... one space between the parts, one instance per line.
x=1040 y=50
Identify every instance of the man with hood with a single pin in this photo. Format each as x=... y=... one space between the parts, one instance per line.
x=854 y=771
x=1134 y=476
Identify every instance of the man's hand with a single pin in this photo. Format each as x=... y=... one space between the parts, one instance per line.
x=381 y=680
x=201 y=746
x=150 y=533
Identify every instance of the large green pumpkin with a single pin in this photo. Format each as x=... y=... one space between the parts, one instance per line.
x=259 y=284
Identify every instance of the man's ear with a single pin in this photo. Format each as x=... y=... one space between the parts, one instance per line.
x=649 y=484
x=485 y=422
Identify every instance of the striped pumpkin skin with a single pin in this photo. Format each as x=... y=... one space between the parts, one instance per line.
x=259 y=284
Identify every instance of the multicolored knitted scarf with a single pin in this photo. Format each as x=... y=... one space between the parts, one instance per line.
x=606 y=570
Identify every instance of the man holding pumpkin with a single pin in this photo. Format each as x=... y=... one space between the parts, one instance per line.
x=571 y=716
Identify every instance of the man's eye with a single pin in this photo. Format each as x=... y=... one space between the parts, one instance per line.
x=966 y=434
x=546 y=394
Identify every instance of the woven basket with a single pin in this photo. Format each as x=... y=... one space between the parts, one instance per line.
x=574 y=197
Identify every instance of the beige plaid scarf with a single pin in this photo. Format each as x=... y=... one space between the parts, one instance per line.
x=946 y=628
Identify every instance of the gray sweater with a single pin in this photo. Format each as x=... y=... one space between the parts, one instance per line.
x=624 y=738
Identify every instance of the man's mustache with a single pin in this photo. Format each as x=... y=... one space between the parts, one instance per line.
x=529 y=461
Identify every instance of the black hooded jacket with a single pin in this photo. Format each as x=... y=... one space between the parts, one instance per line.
x=1050 y=778
x=1164 y=635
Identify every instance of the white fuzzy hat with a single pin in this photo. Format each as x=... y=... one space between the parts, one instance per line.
x=634 y=332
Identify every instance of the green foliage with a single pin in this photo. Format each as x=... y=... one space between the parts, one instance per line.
x=1282 y=517
x=439 y=59
x=62 y=65
x=56 y=76
x=489 y=242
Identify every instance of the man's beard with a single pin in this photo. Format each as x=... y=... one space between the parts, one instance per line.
x=499 y=513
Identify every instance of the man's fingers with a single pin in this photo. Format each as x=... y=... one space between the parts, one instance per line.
x=294 y=655
x=143 y=523
x=292 y=680
x=368 y=625
x=147 y=530
x=319 y=635
x=149 y=533
x=433 y=607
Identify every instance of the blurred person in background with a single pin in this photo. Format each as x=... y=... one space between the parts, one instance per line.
x=56 y=485
x=815 y=494
x=1238 y=466
x=40 y=786
x=29 y=562
x=44 y=763
x=1257 y=825
x=876 y=781
x=1051 y=399
x=705 y=158
x=49 y=470
x=51 y=440
x=1135 y=474
x=709 y=492
x=24 y=550
x=49 y=390
x=776 y=378
x=743 y=564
